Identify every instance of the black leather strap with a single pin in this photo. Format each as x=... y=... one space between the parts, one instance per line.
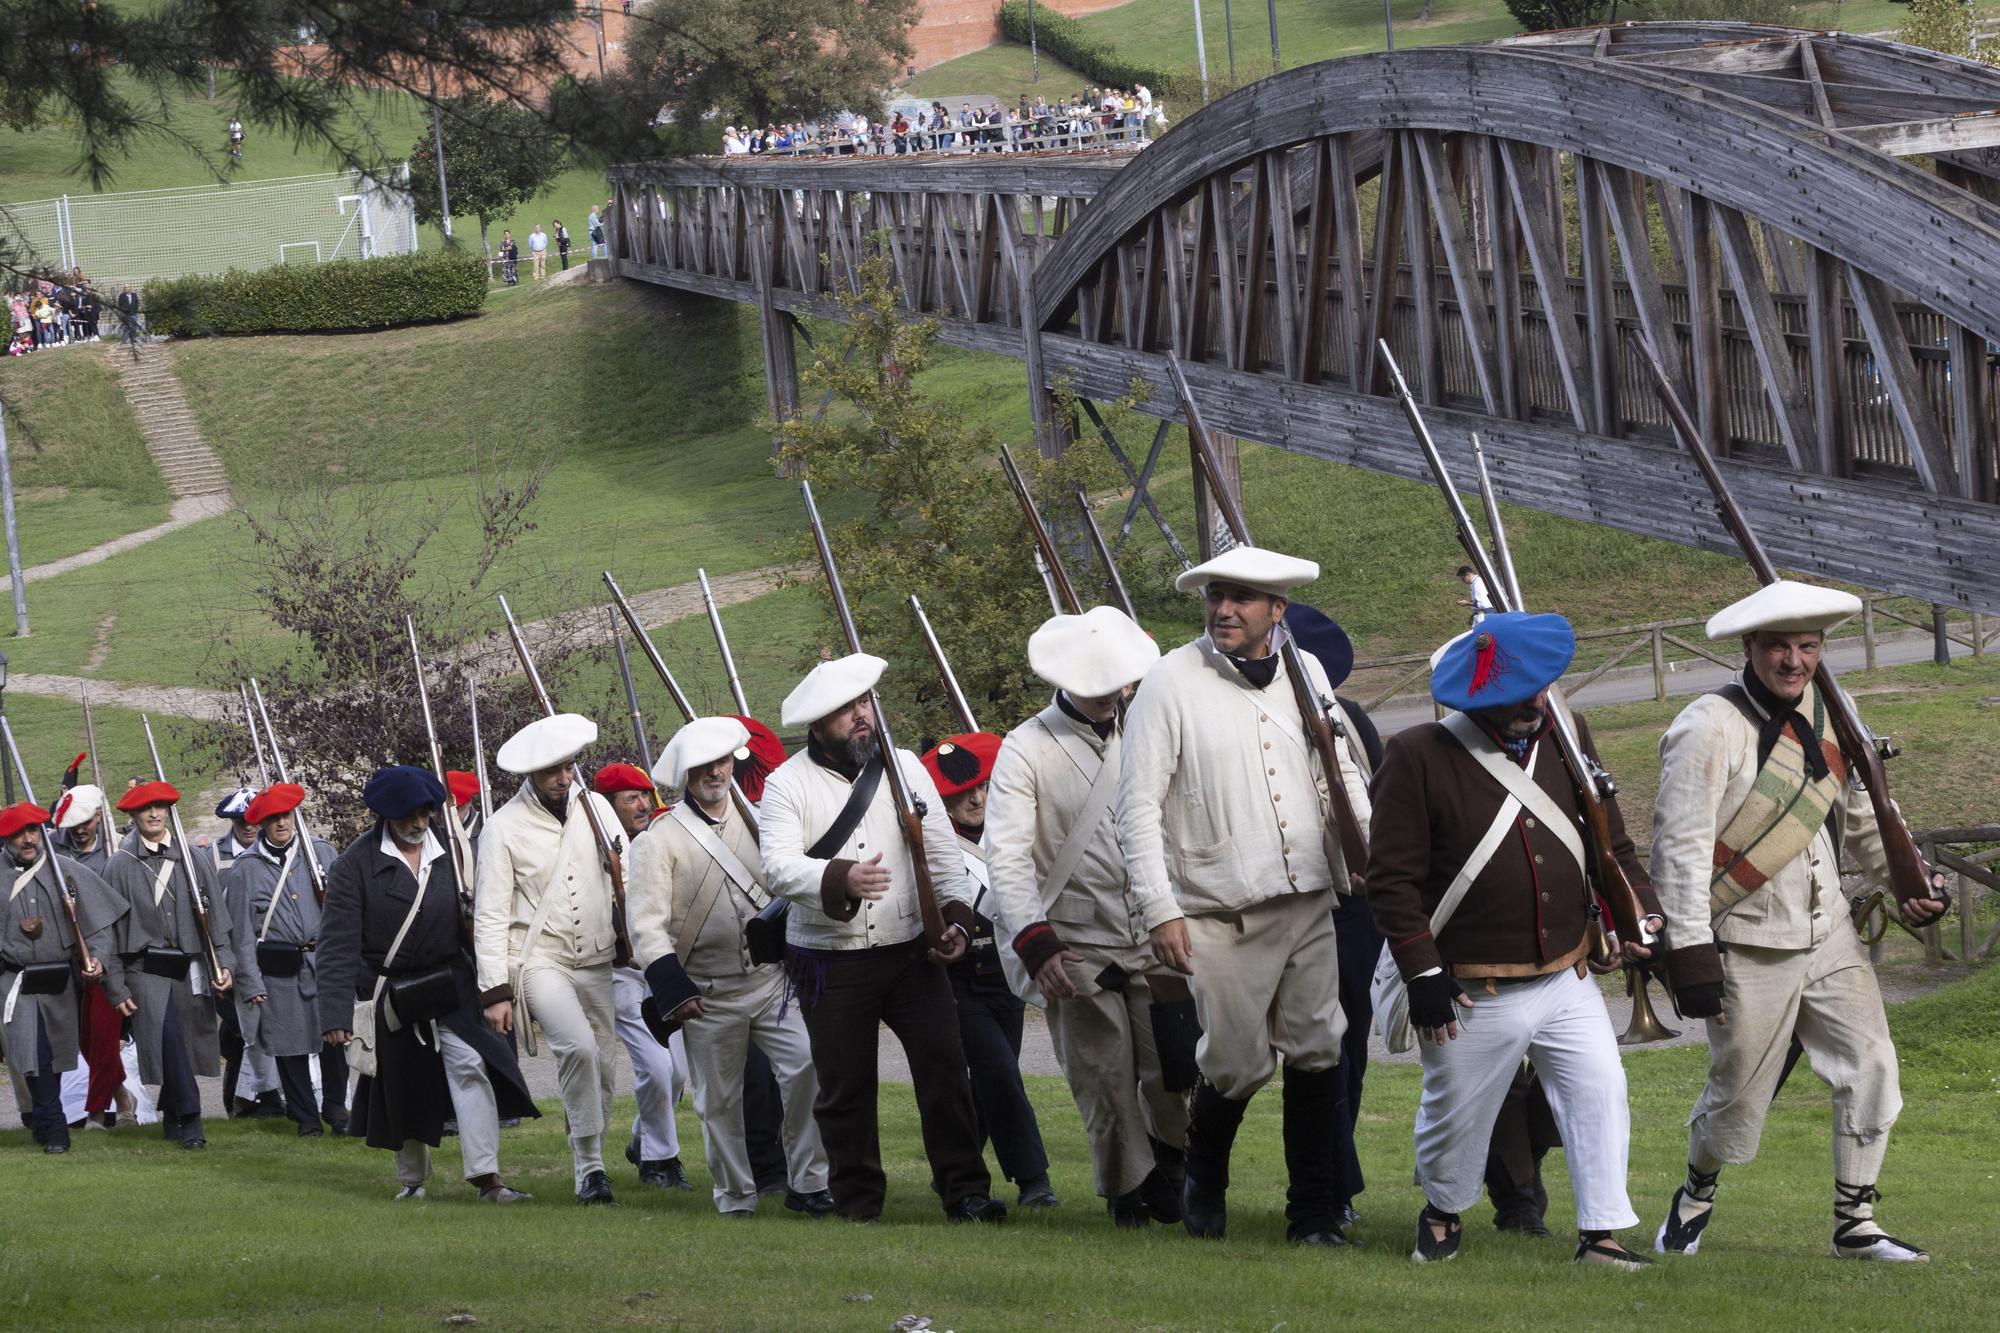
x=836 y=835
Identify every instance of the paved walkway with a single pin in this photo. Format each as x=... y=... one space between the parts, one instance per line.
x=187 y=510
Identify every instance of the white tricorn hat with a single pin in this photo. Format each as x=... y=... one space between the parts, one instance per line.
x=1784 y=607
x=702 y=741
x=546 y=742
x=1251 y=567
x=830 y=686
x=1091 y=655
x=78 y=805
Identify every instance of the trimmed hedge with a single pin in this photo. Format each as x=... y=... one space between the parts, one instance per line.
x=345 y=295
x=1064 y=38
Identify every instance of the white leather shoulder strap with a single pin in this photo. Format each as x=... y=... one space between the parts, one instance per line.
x=1513 y=779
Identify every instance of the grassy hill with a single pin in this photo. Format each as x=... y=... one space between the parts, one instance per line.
x=81 y=472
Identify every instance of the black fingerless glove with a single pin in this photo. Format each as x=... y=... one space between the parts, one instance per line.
x=1432 y=1000
x=1701 y=1000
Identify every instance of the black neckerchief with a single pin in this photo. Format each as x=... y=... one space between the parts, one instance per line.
x=841 y=763
x=1259 y=671
x=561 y=812
x=276 y=854
x=972 y=833
x=1070 y=710
x=1780 y=715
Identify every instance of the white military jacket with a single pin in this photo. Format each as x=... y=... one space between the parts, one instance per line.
x=680 y=902
x=1708 y=761
x=1220 y=799
x=801 y=800
x=518 y=856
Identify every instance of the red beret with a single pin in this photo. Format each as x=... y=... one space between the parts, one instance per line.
x=766 y=753
x=148 y=793
x=463 y=786
x=960 y=763
x=280 y=798
x=621 y=777
x=20 y=815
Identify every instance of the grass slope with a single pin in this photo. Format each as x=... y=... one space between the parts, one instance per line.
x=81 y=471
x=1004 y=71
x=50 y=733
x=263 y=1229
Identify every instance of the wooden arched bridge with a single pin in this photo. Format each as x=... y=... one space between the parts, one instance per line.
x=1801 y=226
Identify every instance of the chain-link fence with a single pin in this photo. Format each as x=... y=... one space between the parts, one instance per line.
x=141 y=234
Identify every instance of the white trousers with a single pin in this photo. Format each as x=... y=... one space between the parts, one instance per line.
x=1560 y=1022
x=738 y=1010
x=573 y=1007
x=1266 y=983
x=658 y=1072
x=472 y=1105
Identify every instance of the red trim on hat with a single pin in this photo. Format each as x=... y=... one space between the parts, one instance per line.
x=280 y=798
x=982 y=746
x=20 y=815
x=620 y=777
x=148 y=793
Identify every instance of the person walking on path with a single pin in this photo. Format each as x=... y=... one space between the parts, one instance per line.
x=538 y=249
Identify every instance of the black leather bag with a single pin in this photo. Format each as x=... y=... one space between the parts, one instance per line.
x=45 y=978
x=422 y=998
x=170 y=963
x=764 y=934
x=282 y=960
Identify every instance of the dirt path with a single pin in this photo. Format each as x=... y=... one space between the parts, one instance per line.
x=190 y=509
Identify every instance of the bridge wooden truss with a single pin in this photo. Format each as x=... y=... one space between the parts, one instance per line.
x=1801 y=226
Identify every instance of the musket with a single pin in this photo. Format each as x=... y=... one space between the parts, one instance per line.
x=959 y=705
x=64 y=892
x=478 y=751
x=1113 y=580
x=314 y=870
x=722 y=642
x=631 y=691
x=674 y=690
x=1315 y=712
x=1503 y=555
x=908 y=814
x=1593 y=786
x=256 y=742
x=456 y=837
x=1064 y=597
x=605 y=848
x=97 y=773
x=1909 y=876
x=197 y=900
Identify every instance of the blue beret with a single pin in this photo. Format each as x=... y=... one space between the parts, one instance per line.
x=401 y=789
x=233 y=805
x=1321 y=635
x=1507 y=659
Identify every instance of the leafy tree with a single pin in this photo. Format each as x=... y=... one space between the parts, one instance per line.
x=937 y=519
x=762 y=61
x=497 y=156
x=1545 y=15
x=1942 y=25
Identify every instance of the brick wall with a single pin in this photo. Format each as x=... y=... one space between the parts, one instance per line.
x=952 y=28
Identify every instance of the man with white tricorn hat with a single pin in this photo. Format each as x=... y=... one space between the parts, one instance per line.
x=1754 y=810
x=834 y=847
x=696 y=882
x=543 y=929
x=1074 y=934
x=1222 y=814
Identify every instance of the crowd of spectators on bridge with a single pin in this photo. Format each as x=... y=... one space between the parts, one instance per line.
x=1090 y=118
x=53 y=312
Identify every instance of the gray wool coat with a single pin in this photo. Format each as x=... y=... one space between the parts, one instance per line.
x=287 y=1023
x=167 y=922
x=34 y=928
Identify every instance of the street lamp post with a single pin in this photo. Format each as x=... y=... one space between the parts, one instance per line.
x=1201 y=52
x=1034 y=48
x=16 y=575
x=6 y=770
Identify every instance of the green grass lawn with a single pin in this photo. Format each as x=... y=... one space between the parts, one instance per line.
x=264 y=1230
x=81 y=471
x=1004 y=71
x=50 y=733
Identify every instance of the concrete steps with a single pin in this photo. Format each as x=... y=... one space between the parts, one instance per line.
x=173 y=437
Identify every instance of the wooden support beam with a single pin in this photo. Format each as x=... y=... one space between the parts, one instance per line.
x=1767 y=338
x=1388 y=243
x=1347 y=241
x=1826 y=343
x=1284 y=259
x=1316 y=324
x=1540 y=234
x=1504 y=241
x=1929 y=453
x=1474 y=317
x=1600 y=310
x=1417 y=242
x=1642 y=277
x=1711 y=376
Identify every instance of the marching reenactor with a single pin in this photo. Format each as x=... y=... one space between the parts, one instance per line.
x=1477 y=879
x=1221 y=807
x=83 y=836
x=697 y=881
x=157 y=972
x=464 y=789
x=39 y=971
x=275 y=919
x=1067 y=910
x=390 y=936
x=260 y=1099
x=543 y=930
x=834 y=847
x=990 y=1014
x=81 y=827
x=1753 y=813
x=658 y=1071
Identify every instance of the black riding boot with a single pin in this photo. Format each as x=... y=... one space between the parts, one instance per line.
x=1315 y=1108
x=1213 y=1120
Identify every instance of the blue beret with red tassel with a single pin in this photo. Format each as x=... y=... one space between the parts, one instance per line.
x=1507 y=659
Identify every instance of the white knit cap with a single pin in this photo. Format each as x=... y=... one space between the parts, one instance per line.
x=78 y=805
x=1091 y=655
x=1251 y=567
x=702 y=741
x=546 y=742
x=831 y=686
x=1784 y=607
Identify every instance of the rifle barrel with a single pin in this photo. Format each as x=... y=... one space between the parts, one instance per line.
x=1064 y=592
x=959 y=704
x=197 y=901
x=256 y=743
x=1503 y=555
x=64 y=891
x=1113 y=580
x=96 y=772
x=478 y=748
x=314 y=870
x=722 y=642
x=631 y=691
